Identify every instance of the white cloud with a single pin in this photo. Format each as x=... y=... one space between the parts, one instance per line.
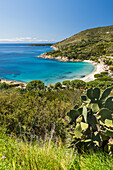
x=22 y=39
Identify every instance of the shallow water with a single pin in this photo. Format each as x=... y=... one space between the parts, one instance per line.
x=20 y=62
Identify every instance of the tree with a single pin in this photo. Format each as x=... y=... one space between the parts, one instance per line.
x=35 y=84
x=66 y=82
x=78 y=83
x=58 y=85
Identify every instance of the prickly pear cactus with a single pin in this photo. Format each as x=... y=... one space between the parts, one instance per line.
x=93 y=121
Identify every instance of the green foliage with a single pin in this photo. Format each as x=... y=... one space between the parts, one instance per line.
x=78 y=83
x=105 y=73
x=105 y=78
x=111 y=68
x=98 y=75
x=88 y=44
x=16 y=154
x=4 y=85
x=58 y=85
x=36 y=112
x=35 y=84
x=93 y=121
x=100 y=84
x=66 y=82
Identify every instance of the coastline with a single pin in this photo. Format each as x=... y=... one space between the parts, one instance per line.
x=12 y=82
x=55 y=48
x=99 y=67
x=64 y=59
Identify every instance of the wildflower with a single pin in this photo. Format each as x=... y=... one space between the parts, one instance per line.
x=4 y=133
x=3 y=157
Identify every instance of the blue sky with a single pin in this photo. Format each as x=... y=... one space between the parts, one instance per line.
x=51 y=20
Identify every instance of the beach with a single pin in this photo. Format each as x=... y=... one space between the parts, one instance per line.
x=12 y=82
x=32 y=69
x=99 y=67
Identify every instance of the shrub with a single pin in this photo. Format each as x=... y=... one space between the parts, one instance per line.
x=35 y=84
x=66 y=82
x=78 y=83
x=58 y=85
x=36 y=112
x=104 y=73
x=111 y=68
x=4 y=85
x=105 y=78
x=98 y=75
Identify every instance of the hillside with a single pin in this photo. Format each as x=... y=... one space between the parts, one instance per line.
x=87 y=44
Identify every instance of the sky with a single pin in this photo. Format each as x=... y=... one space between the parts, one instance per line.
x=37 y=21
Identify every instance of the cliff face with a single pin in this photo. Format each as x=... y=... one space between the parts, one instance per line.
x=86 y=44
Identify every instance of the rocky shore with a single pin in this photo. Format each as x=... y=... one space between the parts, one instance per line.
x=64 y=59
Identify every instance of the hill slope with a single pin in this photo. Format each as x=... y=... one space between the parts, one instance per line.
x=87 y=44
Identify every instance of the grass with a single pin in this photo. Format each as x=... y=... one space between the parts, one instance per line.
x=16 y=154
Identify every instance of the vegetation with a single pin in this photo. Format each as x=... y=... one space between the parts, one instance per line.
x=66 y=82
x=102 y=74
x=35 y=129
x=78 y=83
x=58 y=85
x=16 y=154
x=111 y=68
x=35 y=84
x=93 y=121
x=88 y=44
x=35 y=123
x=47 y=44
x=36 y=111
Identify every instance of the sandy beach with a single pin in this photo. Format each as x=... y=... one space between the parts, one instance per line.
x=99 y=67
x=13 y=82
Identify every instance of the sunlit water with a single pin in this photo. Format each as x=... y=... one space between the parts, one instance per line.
x=20 y=62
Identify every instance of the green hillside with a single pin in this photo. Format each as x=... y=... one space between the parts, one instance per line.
x=87 y=44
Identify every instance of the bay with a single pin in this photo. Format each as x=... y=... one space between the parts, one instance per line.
x=20 y=62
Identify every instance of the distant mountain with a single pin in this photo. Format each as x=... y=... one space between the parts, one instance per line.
x=46 y=44
x=90 y=43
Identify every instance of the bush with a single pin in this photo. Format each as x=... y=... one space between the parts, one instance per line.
x=104 y=73
x=111 y=68
x=105 y=78
x=98 y=75
x=36 y=112
x=100 y=84
x=58 y=85
x=78 y=83
x=4 y=85
x=35 y=84
x=66 y=82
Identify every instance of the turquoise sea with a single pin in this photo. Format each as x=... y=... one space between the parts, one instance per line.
x=20 y=62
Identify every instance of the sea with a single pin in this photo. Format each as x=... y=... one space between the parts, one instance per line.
x=20 y=62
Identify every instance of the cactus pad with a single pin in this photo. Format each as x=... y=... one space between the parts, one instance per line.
x=73 y=114
x=94 y=107
x=106 y=93
x=84 y=113
x=105 y=114
x=109 y=103
x=96 y=93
